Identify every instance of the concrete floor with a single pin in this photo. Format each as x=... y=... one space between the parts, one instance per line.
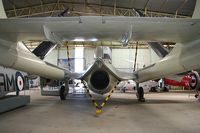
x=162 y=112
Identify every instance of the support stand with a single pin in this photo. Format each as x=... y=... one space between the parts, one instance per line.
x=11 y=102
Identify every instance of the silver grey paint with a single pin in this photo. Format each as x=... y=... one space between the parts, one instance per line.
x=183 y=57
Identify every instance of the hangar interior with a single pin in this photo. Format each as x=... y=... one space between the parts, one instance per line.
x=162 y=112
x=78 y=55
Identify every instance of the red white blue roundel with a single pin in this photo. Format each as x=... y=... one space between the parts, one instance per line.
x=193 y=82
x=19 y=81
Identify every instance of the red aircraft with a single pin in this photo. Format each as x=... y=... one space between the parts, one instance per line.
x=184 y=81
x=190 y=80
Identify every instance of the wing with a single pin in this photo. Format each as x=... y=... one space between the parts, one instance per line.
x=93 y=28
x=17 y=56
x=96 y=28
x=182 y=58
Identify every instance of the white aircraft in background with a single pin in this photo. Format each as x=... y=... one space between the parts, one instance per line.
x=130 y=85
x=101 y=76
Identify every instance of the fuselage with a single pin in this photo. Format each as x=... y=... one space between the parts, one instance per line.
x=11 y=80
x=100 y=76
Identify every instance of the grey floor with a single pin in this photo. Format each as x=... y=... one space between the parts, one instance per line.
x=161 y=113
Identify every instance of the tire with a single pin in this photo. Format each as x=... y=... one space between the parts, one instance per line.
x=62 y=93
x=141 y=95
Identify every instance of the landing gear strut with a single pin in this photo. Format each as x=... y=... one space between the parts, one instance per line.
x=140 y=93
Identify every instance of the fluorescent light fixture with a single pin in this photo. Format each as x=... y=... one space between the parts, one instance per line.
x=93 y=39
x=83 y=39
x=79 y=40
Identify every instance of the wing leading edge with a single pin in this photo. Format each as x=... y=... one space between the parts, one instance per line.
x=93 y=28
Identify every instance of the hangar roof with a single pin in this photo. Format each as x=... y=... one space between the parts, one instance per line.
x=179 y=7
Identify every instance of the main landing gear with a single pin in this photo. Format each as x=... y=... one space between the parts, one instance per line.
x=140 y=93
x=63 y=93
x=64 y=90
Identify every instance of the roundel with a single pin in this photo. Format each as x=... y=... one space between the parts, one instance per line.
x=194 y=81
x=19 y=81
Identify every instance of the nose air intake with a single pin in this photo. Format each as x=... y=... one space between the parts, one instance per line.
x=100 y=80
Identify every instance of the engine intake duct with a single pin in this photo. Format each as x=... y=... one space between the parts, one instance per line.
x=100 y=80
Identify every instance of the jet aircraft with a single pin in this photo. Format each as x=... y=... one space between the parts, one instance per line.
x=101 y=76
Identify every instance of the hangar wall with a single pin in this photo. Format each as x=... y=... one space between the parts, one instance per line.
x=89 y=56
x=122 y=59
x=53 y=55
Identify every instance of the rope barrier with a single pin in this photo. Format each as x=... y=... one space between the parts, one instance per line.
x=98 y=108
